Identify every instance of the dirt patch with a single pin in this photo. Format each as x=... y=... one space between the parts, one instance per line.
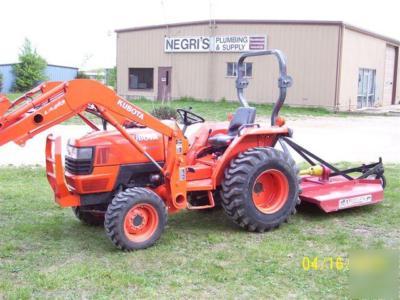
x=315 y=231
x=391 y=239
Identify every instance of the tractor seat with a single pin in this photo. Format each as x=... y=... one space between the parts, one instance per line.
x=242 y=116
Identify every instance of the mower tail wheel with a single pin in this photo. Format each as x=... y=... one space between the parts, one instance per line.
x=261 y=189
x=87 y=217
x=383 y=180
x=135 y=219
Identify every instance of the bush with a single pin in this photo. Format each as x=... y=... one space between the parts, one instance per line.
x=111 y=77
x=164 y=112
x=81 y=75
x=30 y=70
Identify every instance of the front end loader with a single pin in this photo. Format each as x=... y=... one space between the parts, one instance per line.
x=130 y=173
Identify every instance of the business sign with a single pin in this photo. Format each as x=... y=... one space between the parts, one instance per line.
x=227 y=43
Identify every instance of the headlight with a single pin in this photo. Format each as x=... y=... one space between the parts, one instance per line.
x=79 y=153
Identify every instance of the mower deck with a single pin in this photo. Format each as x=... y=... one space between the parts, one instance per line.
x=334 y=189
x=340 y=193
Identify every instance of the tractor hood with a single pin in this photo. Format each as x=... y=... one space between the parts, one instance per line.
x=111 y=148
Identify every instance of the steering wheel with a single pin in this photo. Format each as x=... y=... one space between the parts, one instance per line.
x=188 y=118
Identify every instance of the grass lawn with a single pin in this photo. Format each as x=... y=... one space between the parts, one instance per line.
x=13 y=96
x=221 y=109
x=46 y=253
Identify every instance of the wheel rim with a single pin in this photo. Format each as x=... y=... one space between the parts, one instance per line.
x=270 y=191
x=140 y=222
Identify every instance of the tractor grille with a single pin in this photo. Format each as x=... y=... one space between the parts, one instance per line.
x=78 y=166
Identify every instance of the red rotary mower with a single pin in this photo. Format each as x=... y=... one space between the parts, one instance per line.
x=128 y=177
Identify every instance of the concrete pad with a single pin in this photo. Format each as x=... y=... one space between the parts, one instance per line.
x=33 y=153
x=358 y=139
x=335 y=139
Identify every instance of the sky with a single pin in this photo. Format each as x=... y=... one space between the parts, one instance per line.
x=81 y=33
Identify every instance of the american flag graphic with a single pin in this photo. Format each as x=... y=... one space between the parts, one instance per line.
x=257 y=43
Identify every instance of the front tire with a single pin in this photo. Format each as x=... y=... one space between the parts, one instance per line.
x=260 y=189
x=135 y=219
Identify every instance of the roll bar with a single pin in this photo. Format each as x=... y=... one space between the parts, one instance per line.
x=284 y=80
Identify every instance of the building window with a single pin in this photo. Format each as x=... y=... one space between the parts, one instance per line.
x=141 y=78
x=231 y=69
x=366 y=87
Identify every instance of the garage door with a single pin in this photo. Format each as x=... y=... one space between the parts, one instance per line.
x=389 y=75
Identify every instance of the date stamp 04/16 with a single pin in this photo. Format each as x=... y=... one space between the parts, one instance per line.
x=330 y=263
x=372 y=274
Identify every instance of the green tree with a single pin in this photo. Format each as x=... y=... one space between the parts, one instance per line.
x=99 y=76
x=82 y=75
x=30 y=70
x=112 y=77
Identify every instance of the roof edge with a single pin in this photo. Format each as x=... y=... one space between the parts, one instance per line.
x=371 y=33
x=51 y=65
x=277 y=22
x=230 y=21
x=61 y=66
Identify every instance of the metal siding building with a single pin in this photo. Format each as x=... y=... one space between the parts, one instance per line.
x=326 y=60
x=8 y=78
x=60 y=73
x=52 y=72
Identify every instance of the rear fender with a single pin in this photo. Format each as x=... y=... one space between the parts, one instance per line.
x=247 y=138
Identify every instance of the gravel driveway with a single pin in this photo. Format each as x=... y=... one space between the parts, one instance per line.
x=355 y=139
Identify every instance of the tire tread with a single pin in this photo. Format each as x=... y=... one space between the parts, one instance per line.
x=233 y=186
x=116 y=208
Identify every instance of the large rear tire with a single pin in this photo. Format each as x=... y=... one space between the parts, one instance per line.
x=135 y=219
x=260 y=189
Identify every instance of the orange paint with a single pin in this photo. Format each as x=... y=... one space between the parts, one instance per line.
x=140 y=222
x=188 y=165
x=270 y=191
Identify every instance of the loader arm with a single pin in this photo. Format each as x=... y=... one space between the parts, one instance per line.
x=52 y=103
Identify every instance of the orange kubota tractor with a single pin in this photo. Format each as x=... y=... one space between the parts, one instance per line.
x=130 y=176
